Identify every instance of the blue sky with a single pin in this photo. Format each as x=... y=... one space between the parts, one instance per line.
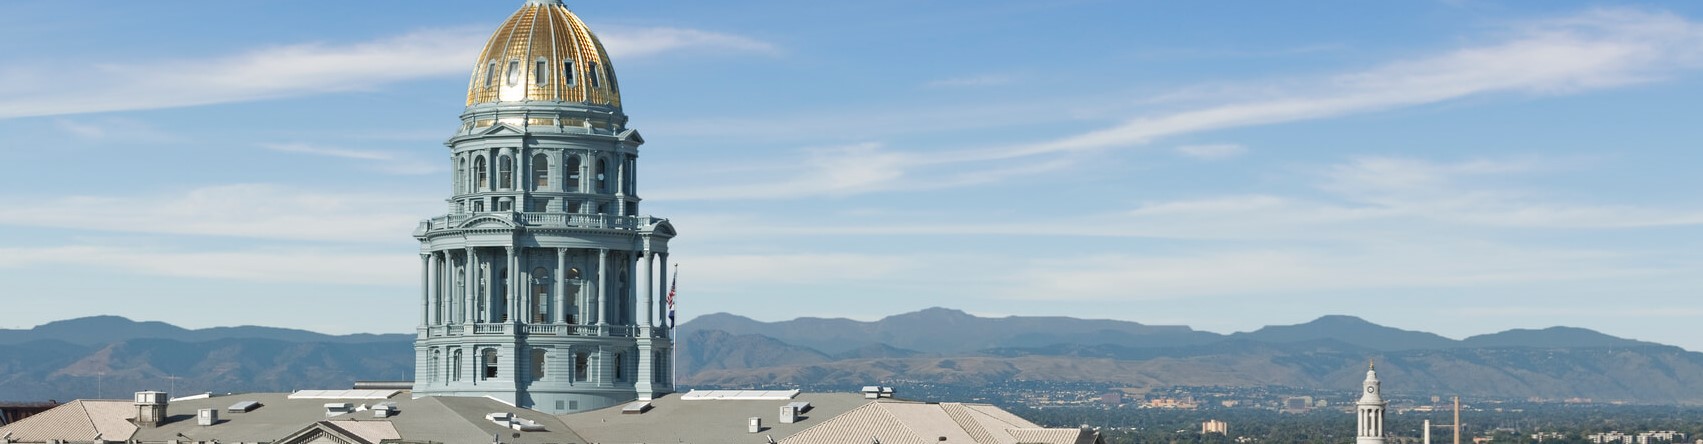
x=1459 y=167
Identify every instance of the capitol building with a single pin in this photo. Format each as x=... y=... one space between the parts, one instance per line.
x=542 y=311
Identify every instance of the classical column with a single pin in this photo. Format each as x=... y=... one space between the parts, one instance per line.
x=561 y=313
x=512 y=304
x=645 y=290
x=663 y=288
x=602 y=291
x=425 y=288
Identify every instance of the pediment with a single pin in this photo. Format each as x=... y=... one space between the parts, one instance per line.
x=662 y=228
x=501 y=129
x=488 y=221
x=632 y=137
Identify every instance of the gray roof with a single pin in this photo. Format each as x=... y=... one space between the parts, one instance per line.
x=832 y=418
x=673 y=420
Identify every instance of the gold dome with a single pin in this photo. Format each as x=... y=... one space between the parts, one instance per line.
x=543 y=52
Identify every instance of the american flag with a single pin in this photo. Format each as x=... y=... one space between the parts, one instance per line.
x=675 y=283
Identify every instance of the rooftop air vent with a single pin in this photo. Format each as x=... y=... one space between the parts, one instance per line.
x=206 y=417
x=338 y=408
x=243 y=407
x=385 y=410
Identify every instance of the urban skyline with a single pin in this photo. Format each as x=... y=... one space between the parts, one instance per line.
x=1454 y=167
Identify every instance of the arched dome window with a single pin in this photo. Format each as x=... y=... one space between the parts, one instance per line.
x=568 y=73
x=490 y=73
x=514 y=73
x=481 y=180
x=541 y=73
x=592 y=74
x=455 y=366
x=505 y=172
x=461 y=175
x=602 y=176
x=540 y=171
x=573 y=173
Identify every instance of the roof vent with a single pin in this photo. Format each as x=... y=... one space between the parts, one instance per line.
x=515 y=422
x=206 y=417
x=338 y=408
x=754 y=424
x=151 y=408
x=384 y=409
x=886 y=392
x=636 y=407
x=789 y=414
x=243 y=407
x=871 y=392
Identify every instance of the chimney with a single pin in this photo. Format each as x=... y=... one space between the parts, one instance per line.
x=754 y=424
x=151 y=409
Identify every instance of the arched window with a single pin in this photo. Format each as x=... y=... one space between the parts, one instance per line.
x=490 y=363
x=514 y=73
x=505 y=172
x=602 y=176
x=540 y=295
x=538 y=364
x=455 y=366
x=620 y=373
x=568 y=73
x=481 y=180
x=541 y=73
x=573 y=173
x=490 y=73
x=461 y=176
x=432 y=374
x=540 y=171
x=592 y=74
x=581 y=364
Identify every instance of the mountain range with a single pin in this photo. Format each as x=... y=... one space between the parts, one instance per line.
x=109 y=356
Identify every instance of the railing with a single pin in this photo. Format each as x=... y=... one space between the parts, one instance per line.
x=573 y=220
x=490 y=329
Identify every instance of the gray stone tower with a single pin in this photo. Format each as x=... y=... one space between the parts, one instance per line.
x=540 y=286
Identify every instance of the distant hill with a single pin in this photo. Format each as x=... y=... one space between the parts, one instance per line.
x=1351 y=330
x=952 y=347
x=112 y=357
x=97 y=330
x=942 y=330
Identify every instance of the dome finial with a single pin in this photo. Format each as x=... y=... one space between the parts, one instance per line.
x=1371 y=366
x=543 y=2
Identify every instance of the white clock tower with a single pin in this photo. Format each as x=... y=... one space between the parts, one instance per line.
x=1371 y=410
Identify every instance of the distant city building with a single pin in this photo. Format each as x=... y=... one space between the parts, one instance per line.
x=1370 y=410
x=1639 y=438
x=1172 y=403
x=1214 y=426
x=1113 y=398
x=1297 y=404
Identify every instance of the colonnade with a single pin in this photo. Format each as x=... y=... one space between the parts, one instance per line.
x=484 y=285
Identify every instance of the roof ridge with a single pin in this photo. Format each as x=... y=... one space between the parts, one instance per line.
x=960 y=414
x=88 y=417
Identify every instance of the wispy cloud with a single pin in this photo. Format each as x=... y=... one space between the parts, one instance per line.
x=386 y=161
x=626 y=42
x=293 y=70
x=1593 y=50
x=974 y=81
x=297 y=266
x=245 y=210
x=1212 y=152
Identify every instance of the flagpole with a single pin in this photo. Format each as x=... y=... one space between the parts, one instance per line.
x=673 y=352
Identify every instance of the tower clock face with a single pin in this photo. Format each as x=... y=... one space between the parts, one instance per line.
x=1369 y=389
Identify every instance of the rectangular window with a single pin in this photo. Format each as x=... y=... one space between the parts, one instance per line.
x=559 y=404
x=632 y=208
x=620 y=375
x=580 y=361
x=602 y=208
x=542 y=71
x=568 y=73
x=573 y=207
x=540 y=205
x=593 y=73
x=514 y=72
x=504 y=205
x=479 y=206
